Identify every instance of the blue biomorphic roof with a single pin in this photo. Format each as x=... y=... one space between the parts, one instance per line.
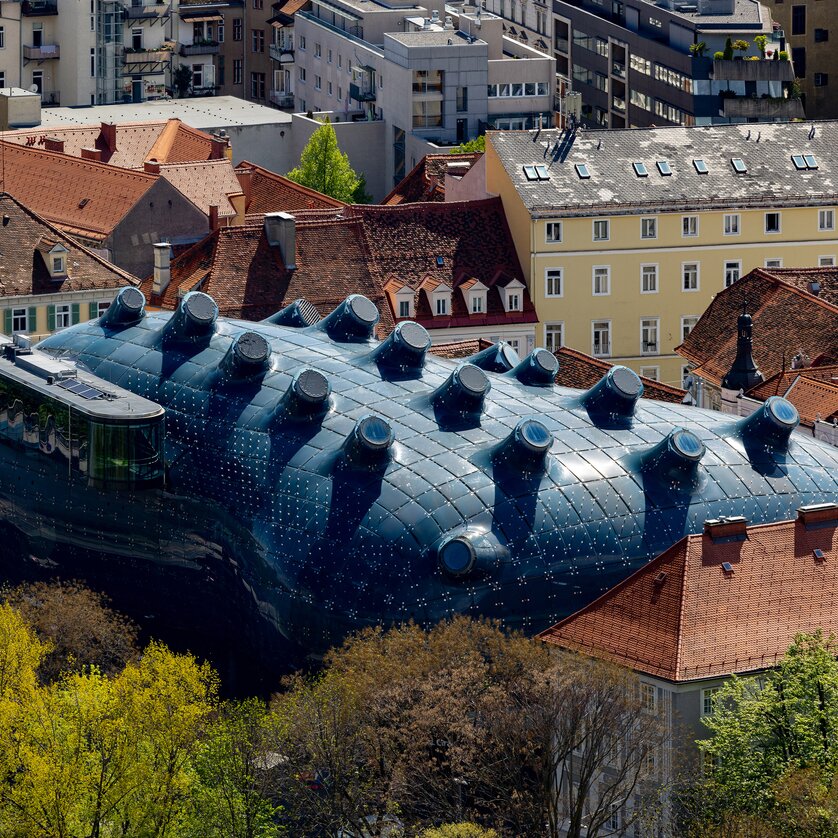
x=358 y=481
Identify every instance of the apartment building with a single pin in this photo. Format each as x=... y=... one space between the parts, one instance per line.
x=643 y=63
x=805 y=27
x=625 y=237
x=432 y=80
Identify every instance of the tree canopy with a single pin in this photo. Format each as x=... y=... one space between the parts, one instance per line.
x=325 y=168
x=477 y=144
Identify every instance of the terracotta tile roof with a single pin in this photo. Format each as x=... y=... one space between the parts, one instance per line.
x=426 y=180
x=700 y=621
x=248 y=279
x=291 y=7
x=576 y=369
x=209 y=183
x=22 y=273
x=419 y=244
x=460 y=348
x=812 y=390
x=805 y=278
x=787 y=319
x=267 y=191
x=169 y=141
x=55 y=185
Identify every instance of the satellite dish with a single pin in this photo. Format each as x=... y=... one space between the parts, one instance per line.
x=33 y=88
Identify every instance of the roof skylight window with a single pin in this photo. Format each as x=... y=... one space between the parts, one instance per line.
x=582 y=170
x=664 y=168
x=700 y=166
x=799 y=162
x=640 y=169
x=530 y=173
x=727 y=567
x=811 y=163
x=541 y=171
x=738 y=165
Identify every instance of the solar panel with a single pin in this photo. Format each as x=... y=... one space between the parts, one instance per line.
x=727 y=567
x=664 y=168
x=700 y=166
x=798 y=160
x=640 y=169
x=80 y=388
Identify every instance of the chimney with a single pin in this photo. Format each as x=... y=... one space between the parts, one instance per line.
x=162 y=267
x=280 y=231
x=107 y=132
x=220 y=143
x=245 y=178
x=722 y=530
x=151 y=167
x=91 y=154
x=213 y=217
x=54 y=144
x=818 y=515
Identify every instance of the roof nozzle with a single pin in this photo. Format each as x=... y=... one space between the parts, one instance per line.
x=368 y=445
x=773 y=422
x=193 y=319
x=352 y=321
x=127 y=308
x=499 y=357
x=463 y=391
x=675 y=458
x=538 y=369
x=464 y=553
x=616 y=393
x=248 y=356
x=298 y=315
x=307 y=397
x=526 y=447
x=405 y=347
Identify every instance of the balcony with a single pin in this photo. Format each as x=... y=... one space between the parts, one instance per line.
x=147 y=56
x=41 y=53
x=361 y=93
x=744 y=107
x=762 y=70
x=199 y=48
x=39 y=8
x=281 y=99
x=152 y=12
x=284 y=53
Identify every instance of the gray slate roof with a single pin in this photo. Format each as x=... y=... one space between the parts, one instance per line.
x=771 y=178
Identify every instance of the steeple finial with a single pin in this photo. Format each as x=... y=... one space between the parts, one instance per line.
x=744 y=373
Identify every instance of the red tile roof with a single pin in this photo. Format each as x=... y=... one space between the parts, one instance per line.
x=206 y=184
x=698 y=621
x=787 y=319
x=79 y=196
x=576 y=369
x=426 y=180
x=460 y=348
x=22 y=273
x=169 y=141
x=267 y=191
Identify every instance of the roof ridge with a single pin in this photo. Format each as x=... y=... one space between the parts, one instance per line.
x=162 y=146
x=79 y=162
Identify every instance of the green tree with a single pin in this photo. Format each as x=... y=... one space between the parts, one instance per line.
x=761 y=41
x=324 y=167
x=182 y=80
x=466 y=829
x=728 y=52
x=477 y=144
x=775 y=741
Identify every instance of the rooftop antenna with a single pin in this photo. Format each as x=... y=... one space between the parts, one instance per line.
x=749 y=135
x=812 y=132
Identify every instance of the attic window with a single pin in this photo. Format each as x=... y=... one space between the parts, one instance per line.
x=440 y=261
x=799 y=162
x=583 y=171
x=811 y=163
x=727 y=567
x=818 y=554
x=84 y=202
x=664 y=168
x=530 y=173
x=700 y=166
x=738 y=165
x=57 y=265
x=536 y=172
x=640 y=169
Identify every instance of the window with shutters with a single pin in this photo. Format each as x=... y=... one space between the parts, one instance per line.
x=20 y=321
x=62 y=317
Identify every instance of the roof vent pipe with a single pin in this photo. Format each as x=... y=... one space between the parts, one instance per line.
x=463 y=392
x=193 y=320
x=538 y=369
x=353 y=321
x=127 y=308
x=307 y=397
x=298 y=315
x=772 y=422
x=616 y=393
x=405 y=347
x=499 y=357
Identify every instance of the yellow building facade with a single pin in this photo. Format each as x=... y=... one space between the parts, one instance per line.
x=627 y=279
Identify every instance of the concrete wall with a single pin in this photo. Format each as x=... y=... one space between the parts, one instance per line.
x=74 y=81
x=162 y=214
x=19 y=108
x=269 y=145
x=363 y=142
x=471 y=186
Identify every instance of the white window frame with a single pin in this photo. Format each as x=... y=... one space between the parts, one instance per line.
x=607 y=325
x=689 y=226
x=650 y=221
x=58 y=264
x=685 y=320
x=650 y=324
x=550 y=229
x=769 y=263
x=557 y=273
x=22 y=316
x=550 y=331
x=102 y=307
x=600 y=221
x=706 y=700
x=732 y=224
x=656 y=269
x=513 y=301
x=648 y=696
x=826 y=220
x=652 y=373
x=441 y=305
x=826 y=261
x=732 y=265
x=476 y=303
x=595 y=275
x=684 y=266
x=404 y=308
x=779 y=229
x=63 y=316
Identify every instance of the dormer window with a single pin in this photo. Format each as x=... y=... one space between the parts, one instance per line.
x=474 y=295
x=404 y=302
x=56 y=261
x=513 y=302
x=441 y=305
x=477 y=304
x=512 y=295
x=57 y=265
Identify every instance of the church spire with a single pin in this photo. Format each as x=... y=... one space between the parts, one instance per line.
x=744 y=373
